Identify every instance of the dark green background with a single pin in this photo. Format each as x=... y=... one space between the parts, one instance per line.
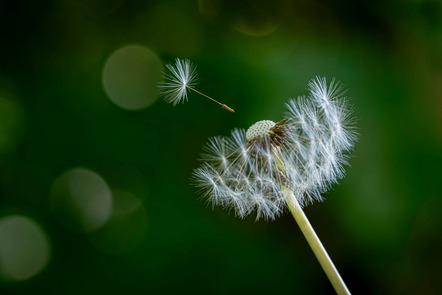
x=380 y=225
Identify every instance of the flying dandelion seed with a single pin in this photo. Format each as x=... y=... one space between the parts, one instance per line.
x=287 y=164
x=179 y=81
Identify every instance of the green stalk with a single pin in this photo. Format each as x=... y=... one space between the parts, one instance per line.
x=316 y=245
x=310 y=234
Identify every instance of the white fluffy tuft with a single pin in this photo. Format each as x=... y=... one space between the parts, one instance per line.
x=248 y=172
x=182 y=75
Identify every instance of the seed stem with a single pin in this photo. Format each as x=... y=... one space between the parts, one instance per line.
x=222 y=105
x=316 y=245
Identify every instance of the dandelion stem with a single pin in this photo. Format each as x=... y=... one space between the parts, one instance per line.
x=316 y=245
x=222 y=105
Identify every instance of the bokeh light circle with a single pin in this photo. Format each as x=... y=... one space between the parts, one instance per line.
x=256 y=30
x=81 y=200
x=259 y=19
x=24 y=248
x=126 y=227
x=130 y=77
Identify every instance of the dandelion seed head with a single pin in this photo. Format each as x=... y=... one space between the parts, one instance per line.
x=250 y=171
x=260 y=129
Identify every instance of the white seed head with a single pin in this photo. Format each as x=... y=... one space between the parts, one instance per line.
x=260 y=129
x=305 y=153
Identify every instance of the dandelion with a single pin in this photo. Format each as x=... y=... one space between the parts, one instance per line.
x=287 y=164
x=182 y=77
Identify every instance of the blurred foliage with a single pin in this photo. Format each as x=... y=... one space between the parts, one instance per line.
x=381 y=225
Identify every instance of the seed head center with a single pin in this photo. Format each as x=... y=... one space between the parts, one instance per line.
x=260 y=129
